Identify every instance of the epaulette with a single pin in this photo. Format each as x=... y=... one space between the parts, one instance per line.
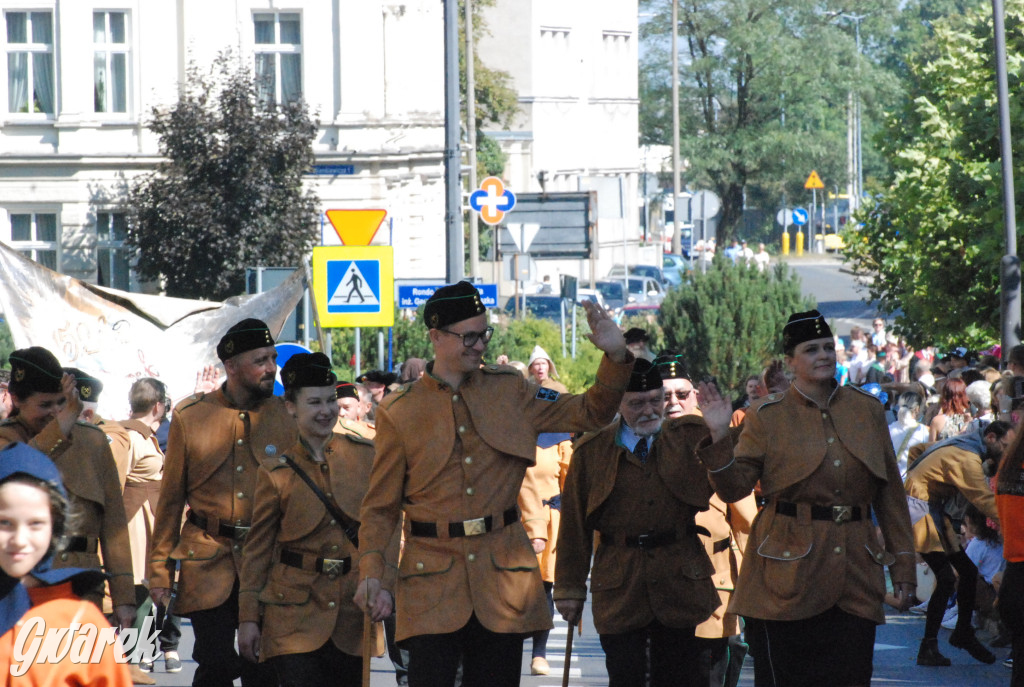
x=866 y=393
x=356 y=439
x=90 y=426
x=393 y=396
x=493 y=369
x=770 y=399
x=190 y=401
x=585 y=438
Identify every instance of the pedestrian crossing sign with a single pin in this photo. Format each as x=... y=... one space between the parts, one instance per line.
x=354 y=285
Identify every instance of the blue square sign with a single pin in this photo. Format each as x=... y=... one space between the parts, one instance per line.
x=353 y=286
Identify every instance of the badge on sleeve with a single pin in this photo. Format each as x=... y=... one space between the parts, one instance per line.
x=547 y=394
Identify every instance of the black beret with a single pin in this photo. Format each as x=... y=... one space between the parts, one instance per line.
x=89 y=388
x=644 y=377
x=378 y=377
x=636 y=335
x=244 y=336
x=307 y=369
x=671 y=367
x=35 y=369
x=451 y=304
x=804 y=326
x=346 y=390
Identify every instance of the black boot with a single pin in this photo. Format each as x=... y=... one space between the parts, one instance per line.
x=965 y=639
x=928 y=654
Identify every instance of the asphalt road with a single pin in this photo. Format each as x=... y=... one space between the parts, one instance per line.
x=839 y=293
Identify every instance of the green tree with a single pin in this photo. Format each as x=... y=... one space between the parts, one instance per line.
x=6 y=342
x=729 y=322
x=229 y=192
x=934 y=240
x=764 y=86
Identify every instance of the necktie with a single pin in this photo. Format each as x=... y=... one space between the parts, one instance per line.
x=640 y=450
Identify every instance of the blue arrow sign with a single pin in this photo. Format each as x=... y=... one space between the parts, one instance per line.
x=799 y=217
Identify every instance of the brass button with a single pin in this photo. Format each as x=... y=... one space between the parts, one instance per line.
x=64 y=556
x=879 y=555
x=236 y=547
x=831 y=440
x=469 y=490
x=333 y=521
x=241 y=416
x=419 y=566
x=240 y=468
x=240 y=442
x=455 y=398
x=469 y=460
x=330 y=495
x=331 y=604
x=280 y=595
x=471 y=557
x=461 y=429
x=838 y=549
x=786 y=554
x=240 y=495
x=282 y=459
x=837 y=462
x=191 y=554
x=824 y=416
x=334 y=548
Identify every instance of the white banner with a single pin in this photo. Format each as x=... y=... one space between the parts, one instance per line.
x=118 y=336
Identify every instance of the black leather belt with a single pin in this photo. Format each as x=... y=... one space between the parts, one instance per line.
x=466 y=528
x=837 y=514
x=650 y=540
x=328 y=566
x=82 y=545
x=721 y=545
x=230 y=531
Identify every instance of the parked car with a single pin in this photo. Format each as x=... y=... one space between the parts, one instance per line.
x=542 y=306
x=641 y=290
x=648 y=310
x=592 y=295
x=652 y=271
x=675 y=268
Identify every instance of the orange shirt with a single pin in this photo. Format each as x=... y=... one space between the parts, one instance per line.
x=1011 y=517
x=58 y=607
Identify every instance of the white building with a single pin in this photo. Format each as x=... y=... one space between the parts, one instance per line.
x=574 y=67
x=82 y=77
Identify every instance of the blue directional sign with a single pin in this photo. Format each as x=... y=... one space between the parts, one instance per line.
x=800 y=217
x=414 y=296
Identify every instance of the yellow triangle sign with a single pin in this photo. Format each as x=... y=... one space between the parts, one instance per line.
x=813 y=181
x=356 y=227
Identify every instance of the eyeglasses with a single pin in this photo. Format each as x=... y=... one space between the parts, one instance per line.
x=469 y=339
x=681 y=395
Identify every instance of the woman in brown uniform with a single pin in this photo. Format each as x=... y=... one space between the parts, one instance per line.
x=812 y=581
x=296 y=577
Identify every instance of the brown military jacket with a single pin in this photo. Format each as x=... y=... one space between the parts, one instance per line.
x=447 y=455
x=120 y=445
x=610 y=492
x=94 y=497
x=729 y=528
x=839 y=455
x=943 y=474
x=355 y=427
x=301 y=609
x=213 y=452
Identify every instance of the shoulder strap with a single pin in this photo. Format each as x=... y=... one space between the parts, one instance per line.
x=348 y=525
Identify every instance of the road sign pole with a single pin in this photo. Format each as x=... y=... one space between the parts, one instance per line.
x=359 y=362
x=455 y=267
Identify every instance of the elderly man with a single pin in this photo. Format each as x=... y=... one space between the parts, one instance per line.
x=722 y=650
x=638 y=485
x=352 y=412
x=217 y=441
x=680 y=396
x=452 y=449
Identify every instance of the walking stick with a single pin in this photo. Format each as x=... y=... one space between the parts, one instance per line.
x=369 y=644
x=568 y=654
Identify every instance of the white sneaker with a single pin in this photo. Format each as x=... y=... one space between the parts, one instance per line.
x=919 y=609
x=949 y=619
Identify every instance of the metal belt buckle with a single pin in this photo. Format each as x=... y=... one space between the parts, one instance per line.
x=841 y=514
x=241 y=532
x=474 y=527
x=641 y=541
x=333 y=566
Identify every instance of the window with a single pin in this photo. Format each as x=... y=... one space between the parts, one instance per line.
x=113 y=267
x=110 y=61
x=278 y=57
x=34 y=235
x=30 y=62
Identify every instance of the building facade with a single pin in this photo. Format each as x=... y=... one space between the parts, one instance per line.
x=83 y=76
x=574 y=65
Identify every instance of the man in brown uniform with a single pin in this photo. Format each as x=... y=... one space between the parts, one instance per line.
x=89 y=390
x=217 y=441
x=637 y=485
x=722 y=647
x=46 y=406
x=452 y=449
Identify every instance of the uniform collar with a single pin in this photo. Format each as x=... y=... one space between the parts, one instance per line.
x=628 y=439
